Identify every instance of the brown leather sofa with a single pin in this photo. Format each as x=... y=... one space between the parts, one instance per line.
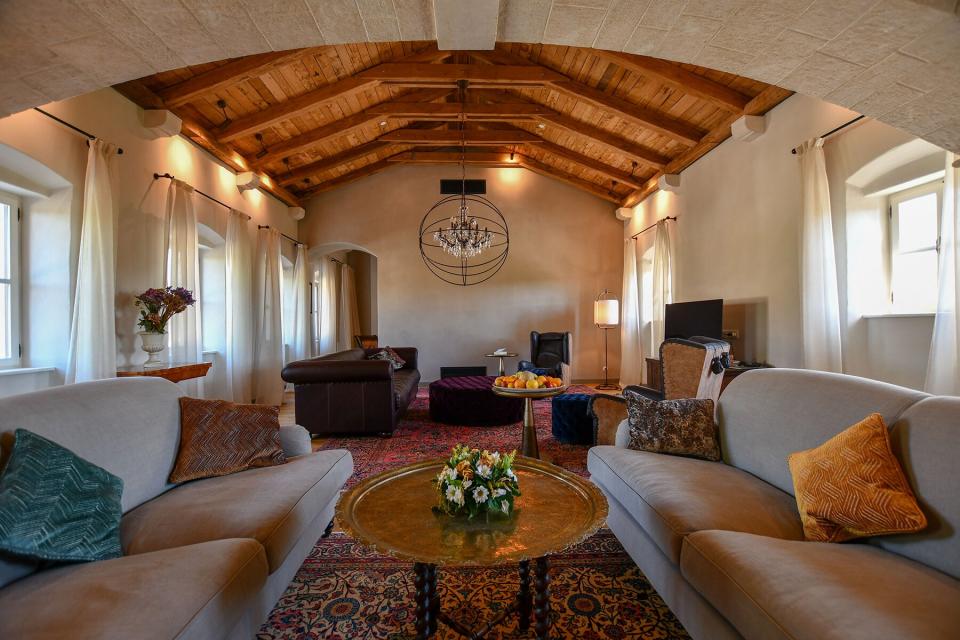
x=344 y=393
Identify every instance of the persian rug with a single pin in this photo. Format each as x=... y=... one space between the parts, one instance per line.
x=345 y=591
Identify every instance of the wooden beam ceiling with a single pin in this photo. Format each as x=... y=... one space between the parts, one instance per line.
x=601 y=111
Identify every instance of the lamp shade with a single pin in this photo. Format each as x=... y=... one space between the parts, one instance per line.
x=606 y=313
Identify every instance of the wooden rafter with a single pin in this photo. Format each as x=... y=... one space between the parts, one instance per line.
x=231 y=73
x=434 y=156
x=687 y=81
x=552 y=172
x=418 y=73
x=337 y=128
x=452 y=137
x=767 y=99
x=590 y=163
x=447 y=111
x=639 y=116
x=362 y=172
x=326 y=164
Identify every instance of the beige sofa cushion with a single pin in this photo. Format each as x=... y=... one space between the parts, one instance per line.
x=272 y=505
x=769 y=589
x=196 y=592
x=671 y=496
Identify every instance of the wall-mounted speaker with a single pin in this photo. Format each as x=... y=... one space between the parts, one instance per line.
x=455 y=187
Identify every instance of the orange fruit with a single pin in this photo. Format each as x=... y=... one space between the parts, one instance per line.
x=519 y=384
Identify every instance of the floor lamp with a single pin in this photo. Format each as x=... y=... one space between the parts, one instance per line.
x=606 y=315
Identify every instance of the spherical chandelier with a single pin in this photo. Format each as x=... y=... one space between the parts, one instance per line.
x=466 y=247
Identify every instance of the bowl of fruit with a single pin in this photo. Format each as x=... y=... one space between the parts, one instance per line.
x=528 y=383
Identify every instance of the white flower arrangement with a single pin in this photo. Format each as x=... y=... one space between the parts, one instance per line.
x=474 y=482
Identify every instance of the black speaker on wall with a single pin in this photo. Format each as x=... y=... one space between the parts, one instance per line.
x=456 y=187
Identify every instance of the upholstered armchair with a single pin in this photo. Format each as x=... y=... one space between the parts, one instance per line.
x=548 y=353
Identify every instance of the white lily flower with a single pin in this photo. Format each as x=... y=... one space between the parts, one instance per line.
x=455 y=495
x=505 y=506
x=499 y=492
x=483 y=471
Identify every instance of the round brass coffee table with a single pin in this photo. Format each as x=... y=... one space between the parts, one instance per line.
x=392 y=513
x=528 y=439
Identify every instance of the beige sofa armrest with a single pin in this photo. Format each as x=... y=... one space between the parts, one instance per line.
x=295 y=441
x=622 y=438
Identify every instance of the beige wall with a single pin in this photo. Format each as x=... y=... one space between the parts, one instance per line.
x=565 y=246
x=140 y=202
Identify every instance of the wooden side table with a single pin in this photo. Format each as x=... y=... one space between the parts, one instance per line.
x=174 y=371
x=501 y=356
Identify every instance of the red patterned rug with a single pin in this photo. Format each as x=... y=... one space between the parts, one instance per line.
x=344 y=591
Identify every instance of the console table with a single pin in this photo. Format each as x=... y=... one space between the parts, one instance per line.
x=174 y=371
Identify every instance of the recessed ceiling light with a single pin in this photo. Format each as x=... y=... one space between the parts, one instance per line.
x=383 y=123
x=540 y=125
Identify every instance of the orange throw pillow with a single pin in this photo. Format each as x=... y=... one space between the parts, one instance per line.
x=852 y=486
x=218 y=438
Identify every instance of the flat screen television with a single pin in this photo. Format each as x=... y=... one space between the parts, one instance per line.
x=700 y=318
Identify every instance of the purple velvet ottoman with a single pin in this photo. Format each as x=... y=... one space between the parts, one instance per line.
x=469 y=401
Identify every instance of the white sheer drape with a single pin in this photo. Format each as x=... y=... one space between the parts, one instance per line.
x=93 y=336
x=183 y=270
x=631 y=342
x=349 y=316
x=239 y=314
x=943 y=367
x=268 y=328
x=327 y=308
x=662 y=282
x=300 y=306
x=818 y=273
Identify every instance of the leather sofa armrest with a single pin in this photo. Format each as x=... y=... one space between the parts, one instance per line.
x=295 y=441
x=318 y=371
x=409 y=355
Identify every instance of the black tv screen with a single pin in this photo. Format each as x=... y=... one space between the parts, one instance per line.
x=687 y=319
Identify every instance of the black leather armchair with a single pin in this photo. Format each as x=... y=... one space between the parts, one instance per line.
x=548 y=351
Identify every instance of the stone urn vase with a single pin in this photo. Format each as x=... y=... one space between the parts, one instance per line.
x=153 y=344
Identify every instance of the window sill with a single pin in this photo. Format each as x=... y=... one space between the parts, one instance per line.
x=874 y=316
x=19 y=371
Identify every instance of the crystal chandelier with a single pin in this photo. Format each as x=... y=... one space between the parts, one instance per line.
x=463 y=238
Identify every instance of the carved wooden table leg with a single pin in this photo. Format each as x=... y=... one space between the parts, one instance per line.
x=541 y=600
x=524 y=598
x=425 y=581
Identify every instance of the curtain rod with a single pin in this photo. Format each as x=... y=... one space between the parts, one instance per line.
x=634 y=236
x=293 y=240
x=157 y=176
x=89 y=135
x=337 y=261
x=835 y=130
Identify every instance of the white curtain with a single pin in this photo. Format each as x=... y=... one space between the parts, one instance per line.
x=239 y=314
x=300 y=306
x=327 y=308
x=662 y=282
x=183 y=270
x=93 y=336
x=349 y=316
x=631 y=343
x=943 y=367
x=268 y=328
x=818 y=273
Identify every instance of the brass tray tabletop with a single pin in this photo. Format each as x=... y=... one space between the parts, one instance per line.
x=392 y=513
x=543 y=392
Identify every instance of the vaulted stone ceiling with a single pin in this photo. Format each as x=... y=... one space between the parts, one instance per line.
x=896 y=60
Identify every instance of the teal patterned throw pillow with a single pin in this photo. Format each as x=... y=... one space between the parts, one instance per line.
x=54 y=505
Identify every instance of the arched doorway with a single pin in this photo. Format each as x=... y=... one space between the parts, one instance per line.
x=344 y=292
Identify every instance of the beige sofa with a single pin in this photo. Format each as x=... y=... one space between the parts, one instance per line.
x=722 y=542
x=206 y=559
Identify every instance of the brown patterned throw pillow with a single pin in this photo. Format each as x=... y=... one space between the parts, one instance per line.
x=679 y=427
x=218 y=438
x=852 y=486
x=389 y=354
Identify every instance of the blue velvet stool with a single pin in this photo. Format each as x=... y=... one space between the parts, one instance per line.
x=572 y=423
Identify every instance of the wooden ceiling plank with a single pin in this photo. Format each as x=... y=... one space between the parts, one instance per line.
x=351 y=154
x=678 y=77
x=551 y=172
x=609 y=140
x=429 y=156
x=453 y=111
x=591 y=163
x=230 y=73
x=339 y=181
x=499 y=74
x=446 y=137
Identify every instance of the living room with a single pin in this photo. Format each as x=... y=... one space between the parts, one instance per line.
x=490 y=319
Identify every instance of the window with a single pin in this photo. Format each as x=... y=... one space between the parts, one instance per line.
x=9 y=280
x=914 y=248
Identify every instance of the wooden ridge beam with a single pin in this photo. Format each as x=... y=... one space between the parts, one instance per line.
x=686 y=81
x=766 y=100
x=340 y=127
x=447 y=111
x=339 y=181
x=334 y=161
x=316 y=98
x=451 y=73
x=449 y=137
x=552 y=172
x=431 y=156
x=636 y=115
x=228 y=74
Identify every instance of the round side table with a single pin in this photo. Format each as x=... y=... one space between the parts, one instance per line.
x=501 y=356
x=528 y=440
